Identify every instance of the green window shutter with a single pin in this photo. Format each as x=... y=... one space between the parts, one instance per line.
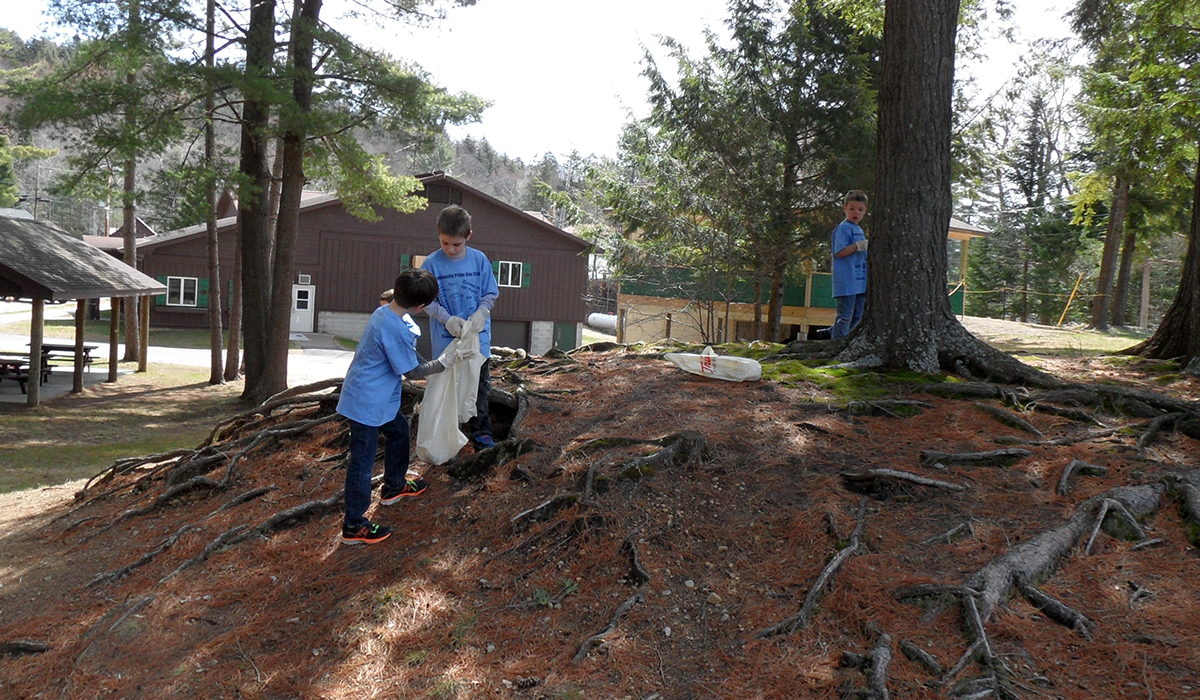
x=202 y=293
x=524 y=275
x=160 y=299
x=405 y=261
x=496 y=268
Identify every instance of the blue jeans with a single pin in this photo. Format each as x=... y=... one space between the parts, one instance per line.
x=364 y=442
x=849 y=313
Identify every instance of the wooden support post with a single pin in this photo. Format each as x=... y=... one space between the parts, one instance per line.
x=114 y=325
x=33 y=387
x=144 y=334
x=80 y=327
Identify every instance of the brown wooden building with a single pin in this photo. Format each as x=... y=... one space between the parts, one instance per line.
x=342 y=263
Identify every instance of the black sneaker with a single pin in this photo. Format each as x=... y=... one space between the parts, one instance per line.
x=370 y=533
x=412 y=487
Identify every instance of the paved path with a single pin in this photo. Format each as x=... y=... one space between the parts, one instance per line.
x=317 y=358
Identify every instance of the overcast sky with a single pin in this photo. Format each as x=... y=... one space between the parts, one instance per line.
x=563 y=75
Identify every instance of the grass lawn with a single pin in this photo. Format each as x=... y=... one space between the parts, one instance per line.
x=97 y=332
x=73 y=437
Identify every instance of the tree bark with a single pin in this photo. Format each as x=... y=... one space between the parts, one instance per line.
x=295 y=132
x=908 y=323
x=1102 y=302
x=1124 y=274
x=1178 y=336
x=254 y=212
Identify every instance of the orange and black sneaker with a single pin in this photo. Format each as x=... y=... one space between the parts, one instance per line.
x=412 y=487
x=370 y=533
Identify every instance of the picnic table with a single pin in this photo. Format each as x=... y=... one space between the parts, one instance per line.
x=16 y=368
x=67 y=350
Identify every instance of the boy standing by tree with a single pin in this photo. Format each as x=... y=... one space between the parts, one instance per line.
x=850 y=265
x=370 y=399
x=468 y=290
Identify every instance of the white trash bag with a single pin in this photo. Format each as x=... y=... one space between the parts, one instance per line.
x=449 y=401
x=710 y=364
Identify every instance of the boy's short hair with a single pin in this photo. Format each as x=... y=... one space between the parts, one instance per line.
x=415 y=287
x=855 y=196
x=387 y=295
x=454 y=221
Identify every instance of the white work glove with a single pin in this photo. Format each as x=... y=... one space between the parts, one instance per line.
x=861 y=244
x=478 y=320
x=450 y=355
x=454 y=324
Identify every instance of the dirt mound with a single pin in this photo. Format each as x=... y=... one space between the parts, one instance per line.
x=650 y=545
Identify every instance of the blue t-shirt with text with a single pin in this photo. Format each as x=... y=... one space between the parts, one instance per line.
x=461 y=286
x=850 y=272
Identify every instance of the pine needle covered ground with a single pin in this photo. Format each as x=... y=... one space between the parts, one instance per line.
x=660 y=538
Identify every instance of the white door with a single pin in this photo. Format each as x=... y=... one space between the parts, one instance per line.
x=302 y=307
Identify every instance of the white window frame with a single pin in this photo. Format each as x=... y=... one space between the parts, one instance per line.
x=177 y=290
x=514 y=270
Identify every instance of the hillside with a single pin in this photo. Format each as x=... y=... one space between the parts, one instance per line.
x=658 y=535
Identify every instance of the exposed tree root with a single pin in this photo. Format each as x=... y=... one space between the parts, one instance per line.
x=817 y=591
x=875 y=480
x=597 y=639
x=1057 y=442
x=1054 y=609
x=639 y=575
x=23 y=647
x=950 y=535
x=1155 y=427
x=990 y=458
x=917 y=655
x=1081 y=467
x=1008 y=418
x=485 y=460
x=892 y=408
x=543 y=511
x=1039 y=556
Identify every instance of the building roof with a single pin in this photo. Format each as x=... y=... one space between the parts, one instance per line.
x=961 y=230
x=39 y=260
x=311 y=200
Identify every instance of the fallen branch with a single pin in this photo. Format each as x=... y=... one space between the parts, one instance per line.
x=817 y=591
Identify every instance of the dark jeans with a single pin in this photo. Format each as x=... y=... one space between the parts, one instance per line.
x=481 y=424
x=364 y=442
x=849 y=313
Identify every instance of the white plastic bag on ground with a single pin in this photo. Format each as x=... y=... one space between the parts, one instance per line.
x=710 y=364
x=449 y=401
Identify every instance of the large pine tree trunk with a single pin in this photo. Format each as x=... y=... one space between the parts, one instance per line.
x=1178 y=336
x=254 y=211
x=1102 y=302
x=908 y=323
